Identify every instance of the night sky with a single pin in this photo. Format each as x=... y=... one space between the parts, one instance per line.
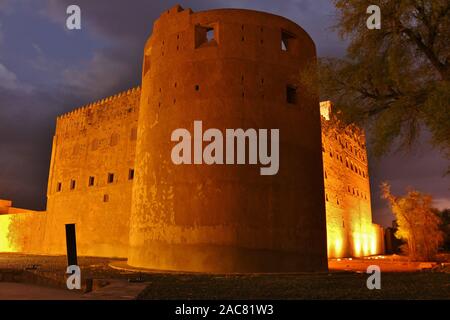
x=47 y=70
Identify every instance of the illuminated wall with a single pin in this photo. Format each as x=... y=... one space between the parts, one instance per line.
x=350 y=231
x=91 y=175
x=21 y=230
x=90 y=182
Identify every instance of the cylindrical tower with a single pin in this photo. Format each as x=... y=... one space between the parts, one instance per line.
x=230 y=69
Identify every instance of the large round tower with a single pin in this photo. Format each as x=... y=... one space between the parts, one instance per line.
x=230 y=69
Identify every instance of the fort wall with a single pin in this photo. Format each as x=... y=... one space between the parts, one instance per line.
x=350 y=230
x=91 y=175
x=228 y=218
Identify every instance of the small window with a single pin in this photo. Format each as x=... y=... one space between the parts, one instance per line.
x=91 y=181
x=105 y=198
x=197 y=87
x=286 y=40
x=205 y=36
x=110 y=177
x=59 y=187
x=131 y=174
x=72 y=184
x=291 y=94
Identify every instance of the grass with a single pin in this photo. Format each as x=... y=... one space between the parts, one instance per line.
x=340 y=285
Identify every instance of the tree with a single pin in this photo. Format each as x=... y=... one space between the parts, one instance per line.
x=418 y=223
x=395 y=80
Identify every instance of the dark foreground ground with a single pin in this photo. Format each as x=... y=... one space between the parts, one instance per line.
x=430 y=284
x=302 y=286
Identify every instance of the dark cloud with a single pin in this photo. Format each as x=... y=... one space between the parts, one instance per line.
x=25 y=141
x=59 y=81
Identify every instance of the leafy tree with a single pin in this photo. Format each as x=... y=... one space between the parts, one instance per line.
x=395 y=80
x=418 y=223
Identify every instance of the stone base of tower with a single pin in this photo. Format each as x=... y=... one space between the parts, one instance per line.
x=223 y=259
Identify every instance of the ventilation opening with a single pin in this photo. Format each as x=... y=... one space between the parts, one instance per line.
x=110 y=177
x=131 y=174
x=287 y=40
x=59 y=187
x=91 y=181
x=205 y=36
x=197 y=87
x=105 y=198
x=291 y=94
x=72 y=184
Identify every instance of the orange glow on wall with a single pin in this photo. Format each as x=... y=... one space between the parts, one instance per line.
x=357 y=244
x=338 y=247
x=365 y=239
x=5 y=245
x=373 y=244
x=365 y=244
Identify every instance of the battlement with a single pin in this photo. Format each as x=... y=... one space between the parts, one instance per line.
x=331 y=123
x=77 y=111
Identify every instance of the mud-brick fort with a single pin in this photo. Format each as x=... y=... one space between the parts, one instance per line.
x=111 y=171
